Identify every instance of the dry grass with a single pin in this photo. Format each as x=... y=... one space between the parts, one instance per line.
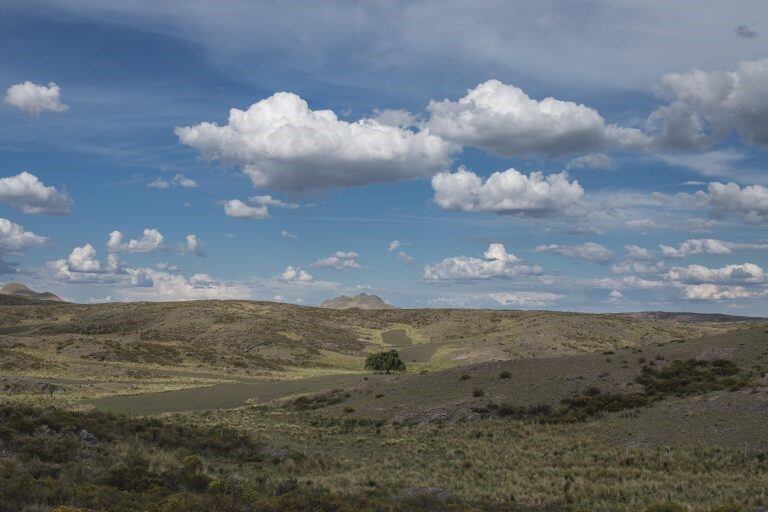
x=502 y=460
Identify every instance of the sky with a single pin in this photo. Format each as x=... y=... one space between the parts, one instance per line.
x=593 y=156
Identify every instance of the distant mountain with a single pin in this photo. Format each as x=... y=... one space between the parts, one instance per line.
x=362 y=301
x=20 y=290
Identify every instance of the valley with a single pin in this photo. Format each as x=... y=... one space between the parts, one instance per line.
x=529 y=410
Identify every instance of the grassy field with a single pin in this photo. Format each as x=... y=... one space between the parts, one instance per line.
x=496 y=410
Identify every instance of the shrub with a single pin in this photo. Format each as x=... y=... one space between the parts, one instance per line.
x=691 y=377
x=505 y=375
x=388 y=361
x=465 y=376
x=477 y=393
x=666 y=507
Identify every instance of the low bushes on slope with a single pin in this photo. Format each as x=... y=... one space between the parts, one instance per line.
x=679 y=378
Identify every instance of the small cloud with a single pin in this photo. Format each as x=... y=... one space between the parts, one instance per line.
x=257 y=207
x=159 y=184
x=394 y=244
x=150 y=241
x=598 y=161
x=404 y=257
x=193 y=245
x=184 y=182
x=295 y=274
x=239 y=210
x=179 y=180
x=340 y=260
x=35 y=98
x=745 y=32
x=289 y=235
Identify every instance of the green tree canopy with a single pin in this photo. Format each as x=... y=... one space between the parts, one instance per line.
x=388 y=361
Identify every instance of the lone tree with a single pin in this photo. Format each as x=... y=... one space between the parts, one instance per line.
x=388 y=361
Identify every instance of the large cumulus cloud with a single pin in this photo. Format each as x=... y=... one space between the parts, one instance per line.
x=503 y=119
x=705 y=107
x=281 y=143
x=509 y=192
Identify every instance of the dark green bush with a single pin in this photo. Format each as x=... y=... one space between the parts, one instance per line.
x=388 y=361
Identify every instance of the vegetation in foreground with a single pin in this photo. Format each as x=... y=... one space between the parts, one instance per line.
x=96 y=461
x=73 y=461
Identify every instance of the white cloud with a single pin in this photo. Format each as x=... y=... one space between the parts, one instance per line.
x=404 y=257
x=194 y=246
x=716 y=292
x=289 y=235
x=83 y=259
x=743 y=273
x=598 y=161
x=501 y=118
x=399 y=118
x=159 y=183
x=707 y=106
x=706 y=246
x=509 y=192
x=589 y=251
x=184 y=182
x=178 y=180
x=639 y=261
x=637 y=267
x=257 y=207
x=239 y=210
x=27 y=193
x=295 y=274
x=151 y=240
x=35 y=98
x=14 y=238
x=150 y=284
x=394 y=244
x=636 y=252
x=162 y=265
x=281 y=143
x=749 y=202
x=270 y=201
x=82 y=266
x=525 y=298
x=340 y=260
x=495 y=263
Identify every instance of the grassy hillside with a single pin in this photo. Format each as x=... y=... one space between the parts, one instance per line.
x=264 y=335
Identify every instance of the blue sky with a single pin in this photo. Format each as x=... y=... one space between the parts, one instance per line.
x=586 y=156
